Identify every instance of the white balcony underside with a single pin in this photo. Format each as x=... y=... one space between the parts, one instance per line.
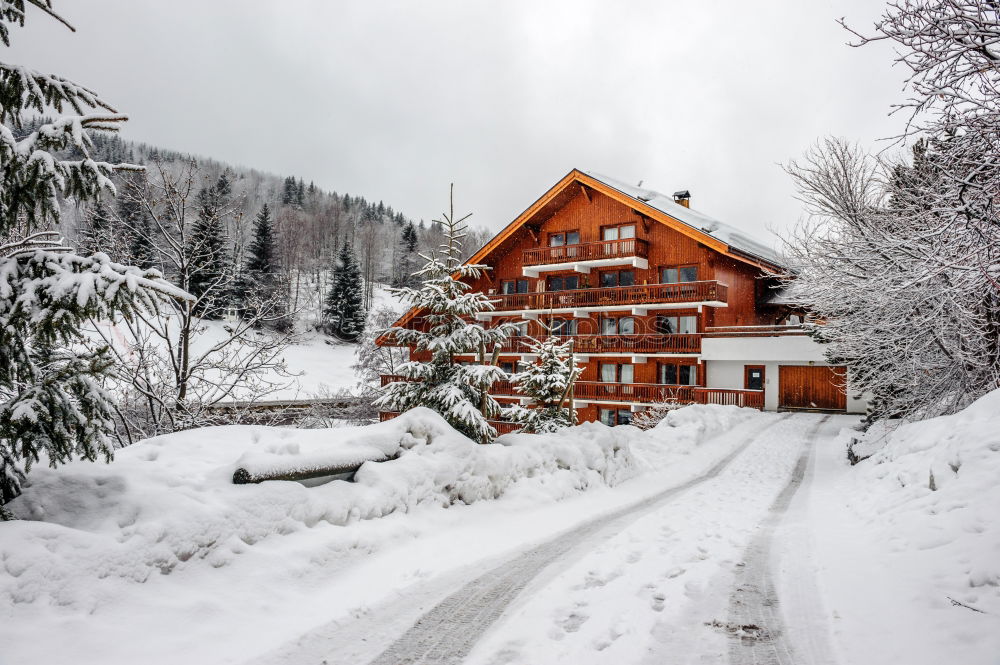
x=584 y=267
x=583 y=312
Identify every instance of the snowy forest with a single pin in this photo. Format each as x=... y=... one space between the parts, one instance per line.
x=246 y=419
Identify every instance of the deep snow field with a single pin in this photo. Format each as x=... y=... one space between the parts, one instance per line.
x=158 y=558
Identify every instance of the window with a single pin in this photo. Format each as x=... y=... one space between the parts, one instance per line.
x=564 y=238
x=563 y=326
x=567 y=283
x=612 y=417
x=616 y=373
x=678 y=375
x=753 y=377
x=621 y=326
x=617 y=278
x=676 y=274
x=514 y=286
x=676 y=325
x=618 y=232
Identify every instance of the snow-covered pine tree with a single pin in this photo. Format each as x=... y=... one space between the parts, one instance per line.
x=345 y=311
x=261 y=285
x=547 y=381
x=459 y=392
x=51 y=396
x=211 y=264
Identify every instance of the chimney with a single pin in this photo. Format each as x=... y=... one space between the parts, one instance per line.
x=683 y=198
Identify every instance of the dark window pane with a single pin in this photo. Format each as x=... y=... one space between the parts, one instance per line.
x=688 y=274
x=668 y=374
x=522 y=286
x=626 y=278
x=573 y=238
x=507 y=287
x=609 y=279
x=689 y=375
x=666 y=325
x=572 y=282
x=669 y=276
x=624 y=417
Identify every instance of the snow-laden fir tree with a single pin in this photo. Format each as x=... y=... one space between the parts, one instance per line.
x=345 y=310
x=446 y=328
x=547 y=382
x=262 y=283
x=51 y=398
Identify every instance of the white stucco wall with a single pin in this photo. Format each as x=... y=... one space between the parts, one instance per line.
x=726 y=357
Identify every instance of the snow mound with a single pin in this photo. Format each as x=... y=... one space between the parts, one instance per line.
x=932 y=492
x=168 y=502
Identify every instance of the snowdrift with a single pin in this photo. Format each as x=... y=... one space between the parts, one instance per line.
x=927 y=505
x=159 y=545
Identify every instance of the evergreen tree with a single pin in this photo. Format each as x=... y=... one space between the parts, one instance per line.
x=289 y=192
x=260 y=285
x=261 y=259
x=345 y=313
x=547 y=382
x=403 y=270
x=460 y=393
x=300 y=193
x=51 y=399
x=208 y=248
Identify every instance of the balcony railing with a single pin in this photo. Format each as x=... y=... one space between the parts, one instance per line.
x=501 y=426
x=643 y=393
x=648 y=393
x=635 y=296
x=625 y=344
x=654 y=392
x=588 y=251
x=756 y=331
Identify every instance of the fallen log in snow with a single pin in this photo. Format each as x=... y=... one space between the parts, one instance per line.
x=245 y=476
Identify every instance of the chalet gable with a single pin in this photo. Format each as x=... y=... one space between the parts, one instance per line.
x=649 y=207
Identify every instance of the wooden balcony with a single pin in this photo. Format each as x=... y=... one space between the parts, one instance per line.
x=641 y=393
x=623 y=344
x=588 y=251
x=647 y=393
x=756 y=331
x=501 y=426
x=639 y=296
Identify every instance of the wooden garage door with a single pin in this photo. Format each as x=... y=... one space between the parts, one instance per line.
x=804 y=387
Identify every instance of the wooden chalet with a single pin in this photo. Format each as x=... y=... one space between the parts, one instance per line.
x=662 y=303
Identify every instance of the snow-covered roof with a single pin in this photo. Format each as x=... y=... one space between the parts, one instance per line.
x=730 y=235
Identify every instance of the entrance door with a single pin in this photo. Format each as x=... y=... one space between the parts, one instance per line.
x=753 y=378
x=805 y=387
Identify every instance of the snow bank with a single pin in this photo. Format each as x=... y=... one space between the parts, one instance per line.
x=159 y=558
x=168 y=502
x=926 y=506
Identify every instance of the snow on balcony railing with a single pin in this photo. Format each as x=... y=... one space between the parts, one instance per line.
x=626 y=344
x=588 y=251
x=644 y=294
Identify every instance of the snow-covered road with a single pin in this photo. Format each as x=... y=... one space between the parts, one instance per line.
x=657 y=579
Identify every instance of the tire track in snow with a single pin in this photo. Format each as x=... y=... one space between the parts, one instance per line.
x=445 y=634
x=754 y=616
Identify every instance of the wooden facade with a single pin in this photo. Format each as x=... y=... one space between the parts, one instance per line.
x=633 y=285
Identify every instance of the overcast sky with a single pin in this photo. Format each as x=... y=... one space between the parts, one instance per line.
x=394 y=100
